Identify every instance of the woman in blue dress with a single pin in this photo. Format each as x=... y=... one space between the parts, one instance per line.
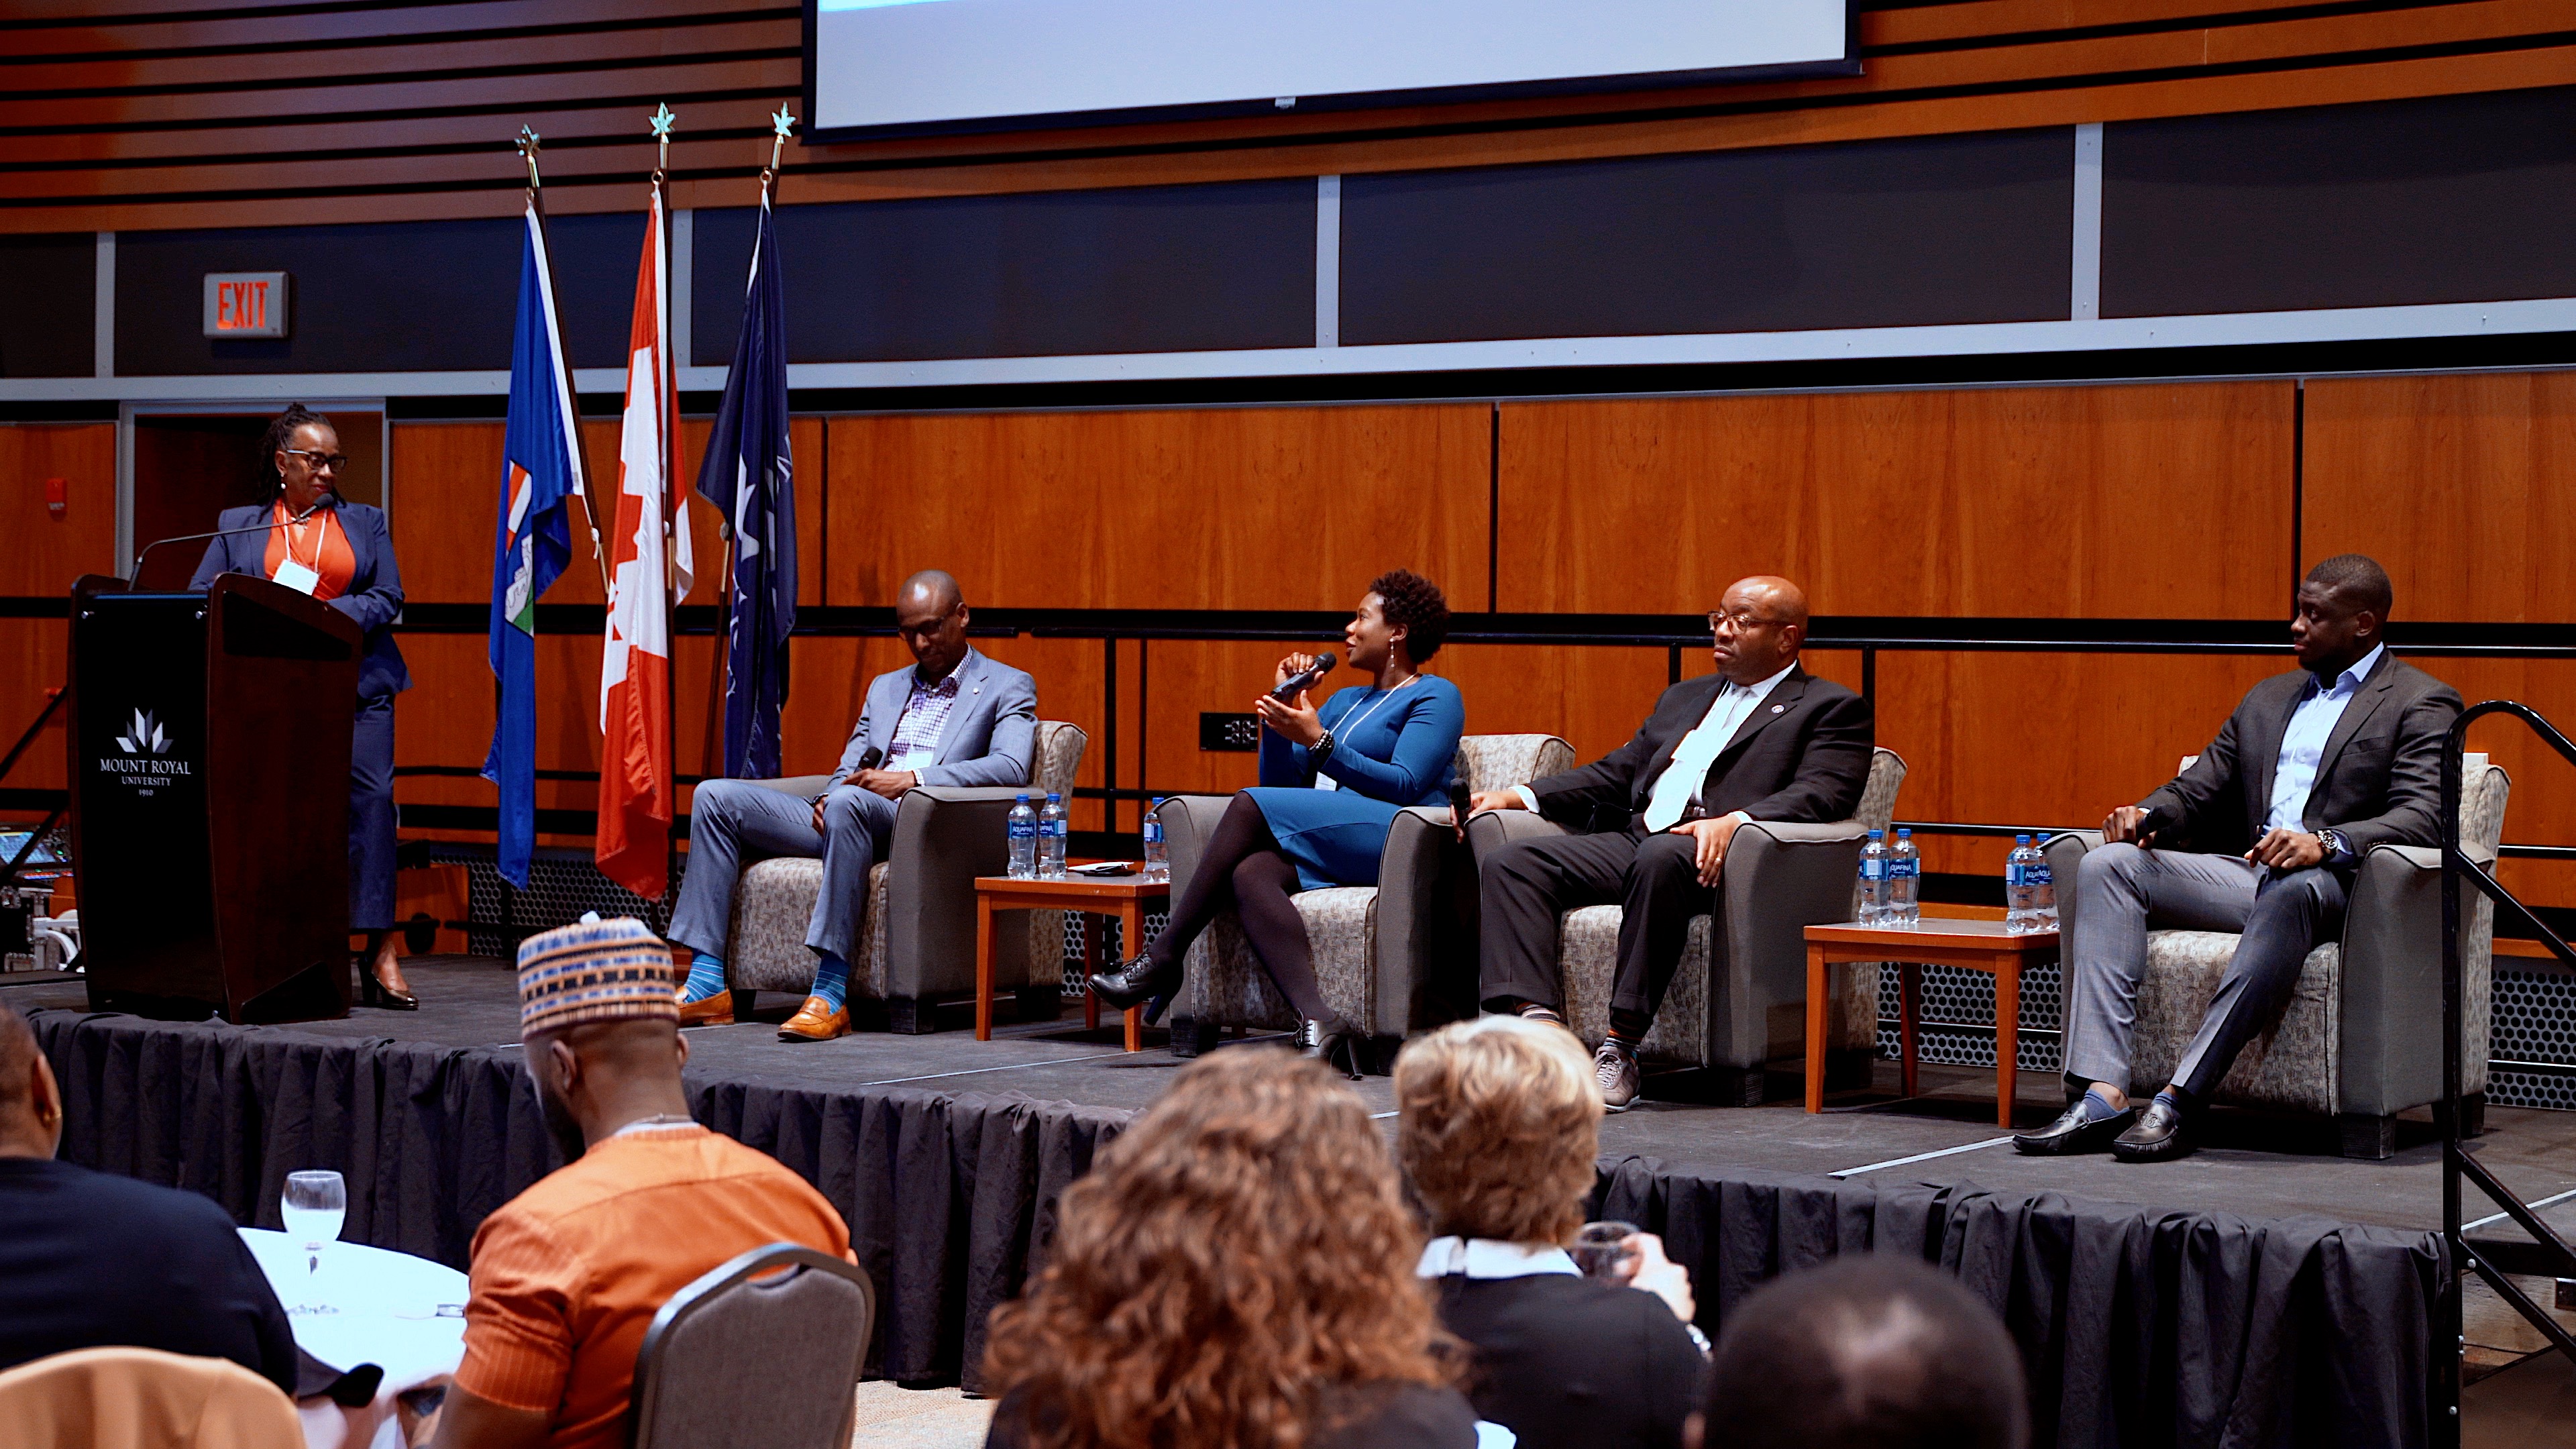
x=1332 y=780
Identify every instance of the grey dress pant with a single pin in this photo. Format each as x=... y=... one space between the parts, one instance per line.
x=2124 y=892
x=735 y=822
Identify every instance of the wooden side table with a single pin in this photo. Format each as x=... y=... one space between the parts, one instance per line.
x=1122 y=898
x=1978 y=945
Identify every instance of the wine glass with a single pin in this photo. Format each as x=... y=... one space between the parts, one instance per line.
x=313 y=1207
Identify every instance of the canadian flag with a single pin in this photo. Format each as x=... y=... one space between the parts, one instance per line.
x=649 y=566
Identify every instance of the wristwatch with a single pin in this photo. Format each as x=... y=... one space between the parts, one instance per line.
x=2337 y=848
x=1320 y=750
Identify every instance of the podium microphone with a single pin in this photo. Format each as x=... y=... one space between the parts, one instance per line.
x=1306 y=678
x=331 y=495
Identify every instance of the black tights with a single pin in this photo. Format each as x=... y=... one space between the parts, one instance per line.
x=1242 y=867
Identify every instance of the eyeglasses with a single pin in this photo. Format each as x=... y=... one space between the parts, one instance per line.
x=923 y=631
x=331 y=462
x=1741 y=619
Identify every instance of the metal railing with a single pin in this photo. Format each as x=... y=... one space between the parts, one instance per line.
x=2457 y=1165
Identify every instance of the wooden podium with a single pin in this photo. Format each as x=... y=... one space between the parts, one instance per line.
x=210 y=738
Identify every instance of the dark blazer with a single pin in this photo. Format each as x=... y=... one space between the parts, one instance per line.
x=1573 y=1362
x=2378 y=780
x=1405 y=1416
x=374 y=597
x=93 y=1260
x=1802 y=756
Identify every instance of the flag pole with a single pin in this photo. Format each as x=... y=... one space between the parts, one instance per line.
x=676 y=493
x=529 y=142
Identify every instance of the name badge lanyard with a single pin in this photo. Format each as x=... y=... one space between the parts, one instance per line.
x=294 y=572
x=1327 y=782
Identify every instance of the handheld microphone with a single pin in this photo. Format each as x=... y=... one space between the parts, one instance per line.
x=1306 y=678
x=871 y=757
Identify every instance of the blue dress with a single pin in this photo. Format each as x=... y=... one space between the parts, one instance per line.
x=1398 y=749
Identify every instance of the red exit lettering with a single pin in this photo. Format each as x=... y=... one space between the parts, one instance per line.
x=240 y=306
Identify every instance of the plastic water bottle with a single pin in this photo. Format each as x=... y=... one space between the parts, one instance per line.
x=1051 y=838
x=2043 y=890
x=2019 y=912
x=1904 y=882
x=1158 y=866
x=1024 y=841
x=1873 y=880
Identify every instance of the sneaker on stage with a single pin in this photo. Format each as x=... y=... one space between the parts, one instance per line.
x=815 y=1021
x=1615 y=1072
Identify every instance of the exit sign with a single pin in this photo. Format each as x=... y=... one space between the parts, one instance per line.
x=245 y=304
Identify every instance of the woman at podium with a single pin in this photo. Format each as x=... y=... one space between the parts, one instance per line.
x=340 y=553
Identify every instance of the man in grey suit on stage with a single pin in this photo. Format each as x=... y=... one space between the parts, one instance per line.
x=956 y=718
x=2315 y=767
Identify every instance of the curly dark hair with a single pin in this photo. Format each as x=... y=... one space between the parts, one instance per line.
x=1234 y=1264
x=1417 y=604
x=282 y=428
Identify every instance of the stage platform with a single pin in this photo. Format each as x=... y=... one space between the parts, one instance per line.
x=2264 y=1288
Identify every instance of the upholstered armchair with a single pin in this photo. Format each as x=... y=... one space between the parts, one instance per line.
x=1738 y=1000
x=2361 y=1039
x=1378 y=949
x=918 y=932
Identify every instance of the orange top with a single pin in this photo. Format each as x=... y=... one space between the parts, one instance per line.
x=318 y=543
x=567 y=1275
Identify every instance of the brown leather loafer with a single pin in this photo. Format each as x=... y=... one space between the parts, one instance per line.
x=716 y=1010
x=815 y=1021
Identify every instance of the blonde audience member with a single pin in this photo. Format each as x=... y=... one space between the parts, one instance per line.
x=1498 y=1129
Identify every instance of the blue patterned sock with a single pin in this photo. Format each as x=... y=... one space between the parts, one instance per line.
x=832 y=980
x=2173 y=1099
x=2098 y=1108
x=706 y=977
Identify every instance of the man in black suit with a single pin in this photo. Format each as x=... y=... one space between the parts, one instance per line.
x=2315 y=767
x=93 y=1260
x=1760 y=740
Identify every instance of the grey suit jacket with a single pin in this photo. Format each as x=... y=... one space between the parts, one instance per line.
x=990 y=735
x=2378 y=781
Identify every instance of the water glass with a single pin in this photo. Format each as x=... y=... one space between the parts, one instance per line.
x=312 y=1207
x=1599 y=1248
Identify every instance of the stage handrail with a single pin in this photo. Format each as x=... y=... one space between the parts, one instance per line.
x=2457 y=1165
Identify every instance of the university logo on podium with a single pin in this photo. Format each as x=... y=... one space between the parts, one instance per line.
x=144 y=764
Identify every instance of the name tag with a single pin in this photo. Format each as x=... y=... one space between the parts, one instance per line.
x=297 y=577
x=915 y=760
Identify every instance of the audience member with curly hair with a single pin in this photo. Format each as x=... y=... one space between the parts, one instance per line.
x=1232 y=1274
x=1332 y=780
x=1498 y=1130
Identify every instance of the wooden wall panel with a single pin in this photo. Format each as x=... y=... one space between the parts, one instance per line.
x=447 y=499
x=47 y=553
x=433 y=112
x=2463 y=487
x=2006 y=502
x=35 y=659
x=1217 y=508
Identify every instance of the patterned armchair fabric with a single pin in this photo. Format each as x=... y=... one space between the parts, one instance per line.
x=2360 y=1038
x=943 y=838
x=1372 y=944
x=1778 y=880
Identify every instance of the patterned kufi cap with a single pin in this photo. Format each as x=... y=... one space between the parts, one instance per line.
x=595 y=971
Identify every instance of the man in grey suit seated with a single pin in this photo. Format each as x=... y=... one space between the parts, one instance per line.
x=956 y=718
x=2315 y=767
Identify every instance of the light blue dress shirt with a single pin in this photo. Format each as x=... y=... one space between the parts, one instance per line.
x=2303 y=744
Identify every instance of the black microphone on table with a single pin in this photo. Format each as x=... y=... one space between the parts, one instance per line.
x=1306 y=678
x=329 y=495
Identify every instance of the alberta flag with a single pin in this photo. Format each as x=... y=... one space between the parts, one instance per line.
x=540 y=468
x=749 y=475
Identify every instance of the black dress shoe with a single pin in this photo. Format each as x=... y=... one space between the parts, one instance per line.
x=1336 y=1046
x=372 y=992
x=1137 y=983
x=2073 y=1132
x=2158 y=1137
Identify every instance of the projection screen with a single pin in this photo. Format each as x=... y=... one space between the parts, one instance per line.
x=896 y=67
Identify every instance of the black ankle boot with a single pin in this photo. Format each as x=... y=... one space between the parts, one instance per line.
x=1137 y=982
x=1337 y=1045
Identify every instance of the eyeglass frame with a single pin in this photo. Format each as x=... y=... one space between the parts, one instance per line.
x=1740 y=620
x=332 y=462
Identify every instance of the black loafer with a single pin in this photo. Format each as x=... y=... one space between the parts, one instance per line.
x=2158 y=1137
x=2073 y=1132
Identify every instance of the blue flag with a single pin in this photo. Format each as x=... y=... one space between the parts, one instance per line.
x=540 y=468
x=749 y=475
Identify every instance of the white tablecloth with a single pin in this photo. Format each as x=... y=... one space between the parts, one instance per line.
x=387 y=1311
